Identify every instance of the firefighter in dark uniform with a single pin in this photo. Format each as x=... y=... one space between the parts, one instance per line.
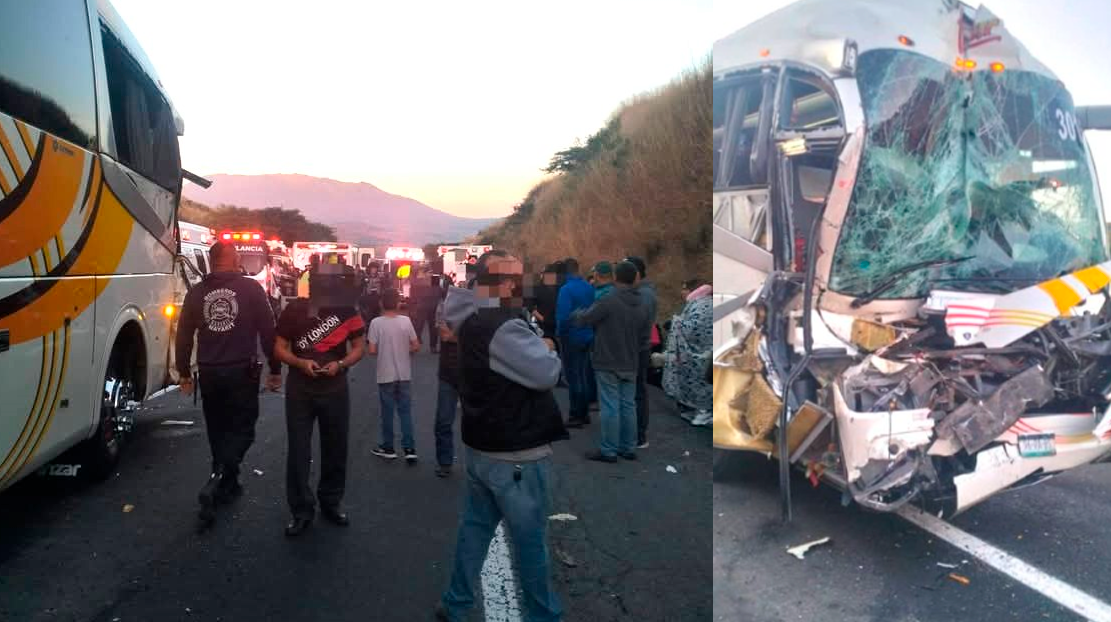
x=319 y=338
x=232 y=318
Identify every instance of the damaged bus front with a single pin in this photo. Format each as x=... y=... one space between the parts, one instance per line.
x=910 y=233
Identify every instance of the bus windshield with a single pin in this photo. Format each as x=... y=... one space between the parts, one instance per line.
x=988 y=165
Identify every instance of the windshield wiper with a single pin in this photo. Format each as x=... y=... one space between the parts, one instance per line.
x=893 y=278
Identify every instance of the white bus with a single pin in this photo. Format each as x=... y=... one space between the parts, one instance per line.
x=90 y=180
x=910 y=250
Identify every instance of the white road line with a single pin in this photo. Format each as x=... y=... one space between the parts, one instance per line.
x=1052 y=588
x=499 y=585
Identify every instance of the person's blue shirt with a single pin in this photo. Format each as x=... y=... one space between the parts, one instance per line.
x=575 y=294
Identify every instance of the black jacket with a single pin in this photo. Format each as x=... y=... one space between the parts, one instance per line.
x=231 y=317
x=506 y=378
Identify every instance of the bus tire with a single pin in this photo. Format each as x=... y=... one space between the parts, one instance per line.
x=101 y=453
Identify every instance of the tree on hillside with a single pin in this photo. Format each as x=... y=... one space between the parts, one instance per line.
x=607 y=140
x=286 y=224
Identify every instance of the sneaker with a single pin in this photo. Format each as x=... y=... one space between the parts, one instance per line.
x=411 y=455
x=443 y=470
x=384 y=452
x=598 y=456
x=207 y=496
x=227 y=493
x=643 y=444
x=703 y=418
x=629 y=455
x=576 y=423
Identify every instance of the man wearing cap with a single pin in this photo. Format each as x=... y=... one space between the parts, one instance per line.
x=231 y=317
x=603 y=279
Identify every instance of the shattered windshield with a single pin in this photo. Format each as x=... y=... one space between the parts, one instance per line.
x=989 y=165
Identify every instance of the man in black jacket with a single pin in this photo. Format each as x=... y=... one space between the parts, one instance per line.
x=510 y=418
x=231 y=317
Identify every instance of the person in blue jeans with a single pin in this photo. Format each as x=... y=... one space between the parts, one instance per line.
x=393 y=340
x=575 y=295
x=619 y=319
x=446 y=398
x=510 y=420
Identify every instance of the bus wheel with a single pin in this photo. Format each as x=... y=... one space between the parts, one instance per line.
x=117 y=407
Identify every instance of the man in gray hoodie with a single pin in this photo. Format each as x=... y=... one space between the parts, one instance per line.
x=619 y=321
x=510 y=420
x=644 y=358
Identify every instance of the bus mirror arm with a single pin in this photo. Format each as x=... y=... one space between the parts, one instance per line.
x=1093 y=117
x=197 y=179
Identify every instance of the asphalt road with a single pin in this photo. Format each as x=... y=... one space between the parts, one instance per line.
x=70 y=551
x=880 y=567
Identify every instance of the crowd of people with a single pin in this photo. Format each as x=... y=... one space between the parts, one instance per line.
x=503 y=346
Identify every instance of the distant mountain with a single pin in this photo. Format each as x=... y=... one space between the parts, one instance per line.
x=360 y=212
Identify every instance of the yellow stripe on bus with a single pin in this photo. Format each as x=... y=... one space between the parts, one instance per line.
x=48 y=203
x=68 y=298
x=53 y=408
x=30 y=415
x=36 y=417
x=1064 y=296
x=6 y=145
x=1094 y=278
x=26 y=137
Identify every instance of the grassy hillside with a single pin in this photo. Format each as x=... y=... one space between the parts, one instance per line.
x=640 y=186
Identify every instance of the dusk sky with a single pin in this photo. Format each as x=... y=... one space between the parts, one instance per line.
x=1070 y=37
x=456 y=104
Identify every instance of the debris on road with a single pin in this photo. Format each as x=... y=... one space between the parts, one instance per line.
x=566 y=559
x=176 y=422
x=686 y=454
x=671 y=469
x=563 y=517
x=258 y=472
x=127 y=508
x=947 y=566
x=960 y=579
x=801 y=550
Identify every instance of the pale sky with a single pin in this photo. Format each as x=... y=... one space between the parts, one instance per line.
x=1070 y=36
x=456 y=104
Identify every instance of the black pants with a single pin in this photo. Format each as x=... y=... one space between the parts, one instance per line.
x=230 y=412
x=332 y=411
x=421 y=316
x=643 y=362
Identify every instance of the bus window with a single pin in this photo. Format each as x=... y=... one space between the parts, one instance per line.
x=807 y=104
x=46 y=69
x=736 y=118
x=143 y=123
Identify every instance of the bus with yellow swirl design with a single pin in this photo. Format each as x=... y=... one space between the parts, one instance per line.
x=90 y=179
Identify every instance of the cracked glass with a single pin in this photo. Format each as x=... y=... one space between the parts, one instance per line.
x=986 y=165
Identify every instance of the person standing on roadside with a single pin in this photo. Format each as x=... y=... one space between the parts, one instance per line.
x=425 y=296
x=393 y=340
x=231 y=318
x=447 y=396
x=603 y=279
x=576 y=294
x=320 y=338
x=619 y=321
x=510 y=419
x=648 y=293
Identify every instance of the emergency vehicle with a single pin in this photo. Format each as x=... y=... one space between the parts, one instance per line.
x=302 y=253
x=90 y=179
x=254 y=260
x=194 y=258
x=910 y=254
x=457 y=257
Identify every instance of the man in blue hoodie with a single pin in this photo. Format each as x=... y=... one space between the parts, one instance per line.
x=576 y=294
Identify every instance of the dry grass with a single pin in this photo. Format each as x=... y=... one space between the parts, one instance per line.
x=655 y=204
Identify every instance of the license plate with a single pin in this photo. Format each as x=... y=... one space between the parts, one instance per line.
x=1037 y=445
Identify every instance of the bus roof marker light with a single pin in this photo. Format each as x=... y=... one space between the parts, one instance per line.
x=997 y=67
x=764 y=53
x=907 y=41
